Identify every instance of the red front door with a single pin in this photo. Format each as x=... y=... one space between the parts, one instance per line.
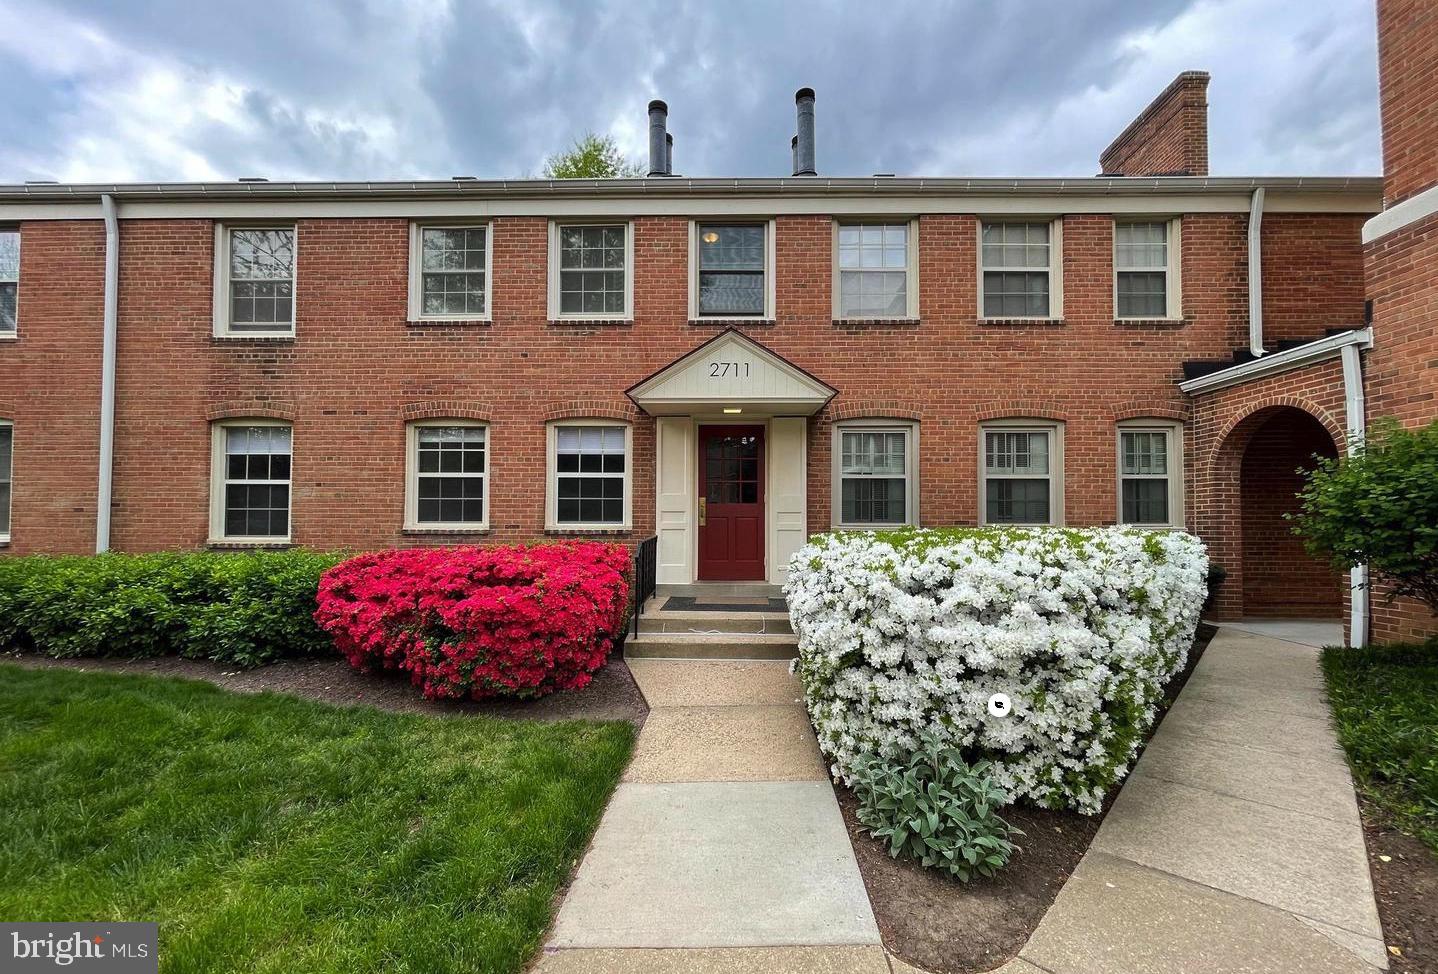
x=731 y=503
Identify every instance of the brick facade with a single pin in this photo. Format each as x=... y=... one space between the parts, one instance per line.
x=1169 y=137
x=1407 y=79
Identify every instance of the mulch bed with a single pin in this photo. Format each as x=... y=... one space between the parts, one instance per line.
x=941 y=925
x=1406 y=887
x=612 y=695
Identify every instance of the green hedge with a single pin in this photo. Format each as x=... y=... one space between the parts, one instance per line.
x=244 y=609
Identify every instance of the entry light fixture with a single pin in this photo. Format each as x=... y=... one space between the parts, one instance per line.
x=711 y=236
x=734 y=411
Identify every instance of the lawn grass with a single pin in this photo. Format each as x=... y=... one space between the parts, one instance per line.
x=270 y=834
x=1385 y=703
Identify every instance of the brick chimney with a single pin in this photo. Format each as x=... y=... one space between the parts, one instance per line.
x=1407 y=67
x=1169 y=137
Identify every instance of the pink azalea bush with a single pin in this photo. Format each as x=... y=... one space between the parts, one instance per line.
x=512 y=621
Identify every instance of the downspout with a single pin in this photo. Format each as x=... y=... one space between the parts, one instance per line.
x=1255 y=273
x=107 y=373
x=1357 y=430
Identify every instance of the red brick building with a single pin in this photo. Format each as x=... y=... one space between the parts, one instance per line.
x=727 y=364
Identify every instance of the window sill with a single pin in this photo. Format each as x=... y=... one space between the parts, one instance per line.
x=733 y=322
x=1022 y=322
x=8 y=336
x=580 y=530
x=411 y=530
x=274 y=545
x=903 y=322
x=449 y=322
x=259 y=336
x=591 y=322
x=1150 y=322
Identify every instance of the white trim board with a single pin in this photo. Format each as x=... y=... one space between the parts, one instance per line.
x=1413 y=210
x=1279 y=362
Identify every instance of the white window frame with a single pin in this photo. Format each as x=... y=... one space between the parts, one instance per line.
x=1173 y=284
x=551 y=477
x=10 y=336
x=554 y=227
x=770 y=299
x=6 y=424
x=218 y=481
x=1174 y=432
x=416 y=268
x=1055 y=268
x=411 y=478
x=910 y=429
x=1055 y=430
x=911 y=268
x=222 y=282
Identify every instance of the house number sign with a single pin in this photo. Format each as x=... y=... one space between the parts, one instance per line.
x=728 y=370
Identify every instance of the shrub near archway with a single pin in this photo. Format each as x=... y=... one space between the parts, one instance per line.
x=906 y=636
x=511 y=621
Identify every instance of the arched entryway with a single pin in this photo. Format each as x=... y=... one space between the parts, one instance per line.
x=1280 y=578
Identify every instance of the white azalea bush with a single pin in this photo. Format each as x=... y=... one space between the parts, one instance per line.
x=909 y=633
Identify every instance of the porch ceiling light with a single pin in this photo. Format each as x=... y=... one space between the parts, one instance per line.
x=711 y=237
x=733 y=411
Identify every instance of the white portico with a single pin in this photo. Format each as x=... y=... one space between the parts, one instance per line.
x=731 y=439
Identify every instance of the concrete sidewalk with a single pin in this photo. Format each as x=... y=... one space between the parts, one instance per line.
x=1235 y=845
x=723 y=848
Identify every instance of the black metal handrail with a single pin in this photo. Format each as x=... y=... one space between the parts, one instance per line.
x=646 y=570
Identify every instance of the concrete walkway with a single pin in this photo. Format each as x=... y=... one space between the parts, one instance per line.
x=723 y=848
x=1235 y=845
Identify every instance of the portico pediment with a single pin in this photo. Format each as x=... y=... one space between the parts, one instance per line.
x=731 y=371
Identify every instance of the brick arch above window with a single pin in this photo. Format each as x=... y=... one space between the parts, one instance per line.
x=445 y=409
x=7 y=409
x=1021 y=409
x=252 y=409
x=875 y=409
x=591 y=409
x=1174 y=409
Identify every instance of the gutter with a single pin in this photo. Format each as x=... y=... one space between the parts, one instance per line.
x=1354 y=408
x=1276 y=362
x=1255 y=274
x=107 y=374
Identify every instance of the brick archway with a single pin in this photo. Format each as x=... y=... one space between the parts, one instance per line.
x=1253 y=478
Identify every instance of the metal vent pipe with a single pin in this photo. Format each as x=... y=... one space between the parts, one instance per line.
x=804 y=150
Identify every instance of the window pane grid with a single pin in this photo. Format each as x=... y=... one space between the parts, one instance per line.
x=452 y=268
x=731 y=269
x=1016 y=265
x=257 y=482
x=9 y=278
x=1141 y=262
x=1144 y=476
x=1017 y=473
x=450 y=462
x=7 y=442
x=262 y=264
x=591 y=270
x=590 y=467
x=873 y=470
x=873 y=269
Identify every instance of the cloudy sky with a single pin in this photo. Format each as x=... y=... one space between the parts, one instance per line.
x=321 y=89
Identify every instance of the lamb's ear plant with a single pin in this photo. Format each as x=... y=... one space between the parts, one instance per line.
x=936 y=809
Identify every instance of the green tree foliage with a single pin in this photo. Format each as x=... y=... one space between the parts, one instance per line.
x=591 y=157
x=1379 y=507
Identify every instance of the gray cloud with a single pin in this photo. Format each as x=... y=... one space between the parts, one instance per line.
x=167 y=90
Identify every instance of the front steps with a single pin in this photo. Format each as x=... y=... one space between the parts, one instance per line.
x=714 y=621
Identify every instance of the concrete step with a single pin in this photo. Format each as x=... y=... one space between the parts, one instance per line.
x=688 y=645
x=702 y=590
x=711 y=622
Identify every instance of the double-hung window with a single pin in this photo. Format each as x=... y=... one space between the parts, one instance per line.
x=1021 y=466
x=875 y=474
x=1020 y=266
x=732 y=270
x=448 y=476
x=7 y=457
x=1150 y=468
x=590 y=270
x=9 y=281
x=251 y=482
x=449 y=273
x=255 y=281
x=1146 y=269
x=876 y=270
x=589 y=475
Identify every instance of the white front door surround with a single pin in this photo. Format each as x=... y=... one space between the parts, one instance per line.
x=729 y=380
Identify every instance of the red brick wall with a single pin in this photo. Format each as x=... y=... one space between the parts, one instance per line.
x=1312 y=275
x=1280 y=578
x=1169 y=137
x=1408 y=95
x=357 y=370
